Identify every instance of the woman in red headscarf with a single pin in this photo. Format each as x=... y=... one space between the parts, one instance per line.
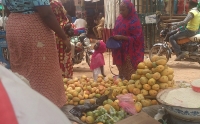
x=65 y=59
x=128 y=29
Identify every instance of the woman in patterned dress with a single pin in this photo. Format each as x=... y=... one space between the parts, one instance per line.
x=65 y=59
x=32 y=46
x=128 y=29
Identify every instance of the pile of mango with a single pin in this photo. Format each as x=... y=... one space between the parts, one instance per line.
x=79 y=89
x=151 y=77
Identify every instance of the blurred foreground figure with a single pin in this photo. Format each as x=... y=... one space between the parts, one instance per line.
x=22 y=105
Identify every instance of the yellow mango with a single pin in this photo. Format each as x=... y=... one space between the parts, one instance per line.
x=136 y=91
x=159 y=68
x=76 y=99
x=151 y=81
x=143 y=80
x=161 y=62
x=165 y=72
x=156 y=75
x=148 y=63
x=163 y=79
x=163 y=85
x=156 y=87
x=144 y=92
x=135 y=76
x=146 y=87
x=139 y=71
x=141 y=65
x=153 y=92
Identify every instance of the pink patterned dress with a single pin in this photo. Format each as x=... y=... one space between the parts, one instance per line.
x=34 y=55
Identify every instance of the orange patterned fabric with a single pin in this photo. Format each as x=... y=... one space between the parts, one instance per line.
x=65 y=60
x=33 y=54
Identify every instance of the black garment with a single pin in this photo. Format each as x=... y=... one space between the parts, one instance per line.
x=170 y=34
x=70 y=18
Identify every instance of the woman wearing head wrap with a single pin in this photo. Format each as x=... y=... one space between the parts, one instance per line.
x=65 y=59
x=128 y=29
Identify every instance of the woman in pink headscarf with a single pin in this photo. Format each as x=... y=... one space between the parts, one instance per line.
x=128 y=29
x=97 y=60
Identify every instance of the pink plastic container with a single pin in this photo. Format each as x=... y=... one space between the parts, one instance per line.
x=196 y=85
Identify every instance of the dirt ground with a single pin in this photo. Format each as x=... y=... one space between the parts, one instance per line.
x=183 y=70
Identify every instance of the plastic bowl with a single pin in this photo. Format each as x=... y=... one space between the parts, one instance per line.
x=187 y=114
x=196 y=85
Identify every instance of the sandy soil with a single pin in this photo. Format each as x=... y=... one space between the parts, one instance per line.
x=183 y=70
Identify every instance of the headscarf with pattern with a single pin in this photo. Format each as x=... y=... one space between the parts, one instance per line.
x=97 y=59
x=60 y=12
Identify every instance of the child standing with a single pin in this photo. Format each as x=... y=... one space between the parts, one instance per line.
x=97 y=60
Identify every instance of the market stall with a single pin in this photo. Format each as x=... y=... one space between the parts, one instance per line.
x=109 y=100
x=89 y=9
x=70 y=7
x=92 y=9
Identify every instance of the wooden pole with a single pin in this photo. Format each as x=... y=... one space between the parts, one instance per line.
x=184 y=7
x=170 y=10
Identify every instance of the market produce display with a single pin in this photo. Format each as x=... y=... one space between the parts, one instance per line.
x=149 y=79
x=152 y=76
x=78 y=90
x=104 y=115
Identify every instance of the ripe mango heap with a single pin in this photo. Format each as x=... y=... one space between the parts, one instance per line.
x=151 y=77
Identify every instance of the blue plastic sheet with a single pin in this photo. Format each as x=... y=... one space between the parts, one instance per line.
x=4 y=54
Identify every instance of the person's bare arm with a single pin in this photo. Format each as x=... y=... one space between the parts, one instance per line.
x=102 y=71
x=7 y=11
x=120 y=37
x=50 y=20
x=75 y=24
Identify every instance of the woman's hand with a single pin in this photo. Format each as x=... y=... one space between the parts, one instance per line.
x=68 y=45
x=118 y=37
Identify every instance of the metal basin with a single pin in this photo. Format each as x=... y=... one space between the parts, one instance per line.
x=187 y=114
